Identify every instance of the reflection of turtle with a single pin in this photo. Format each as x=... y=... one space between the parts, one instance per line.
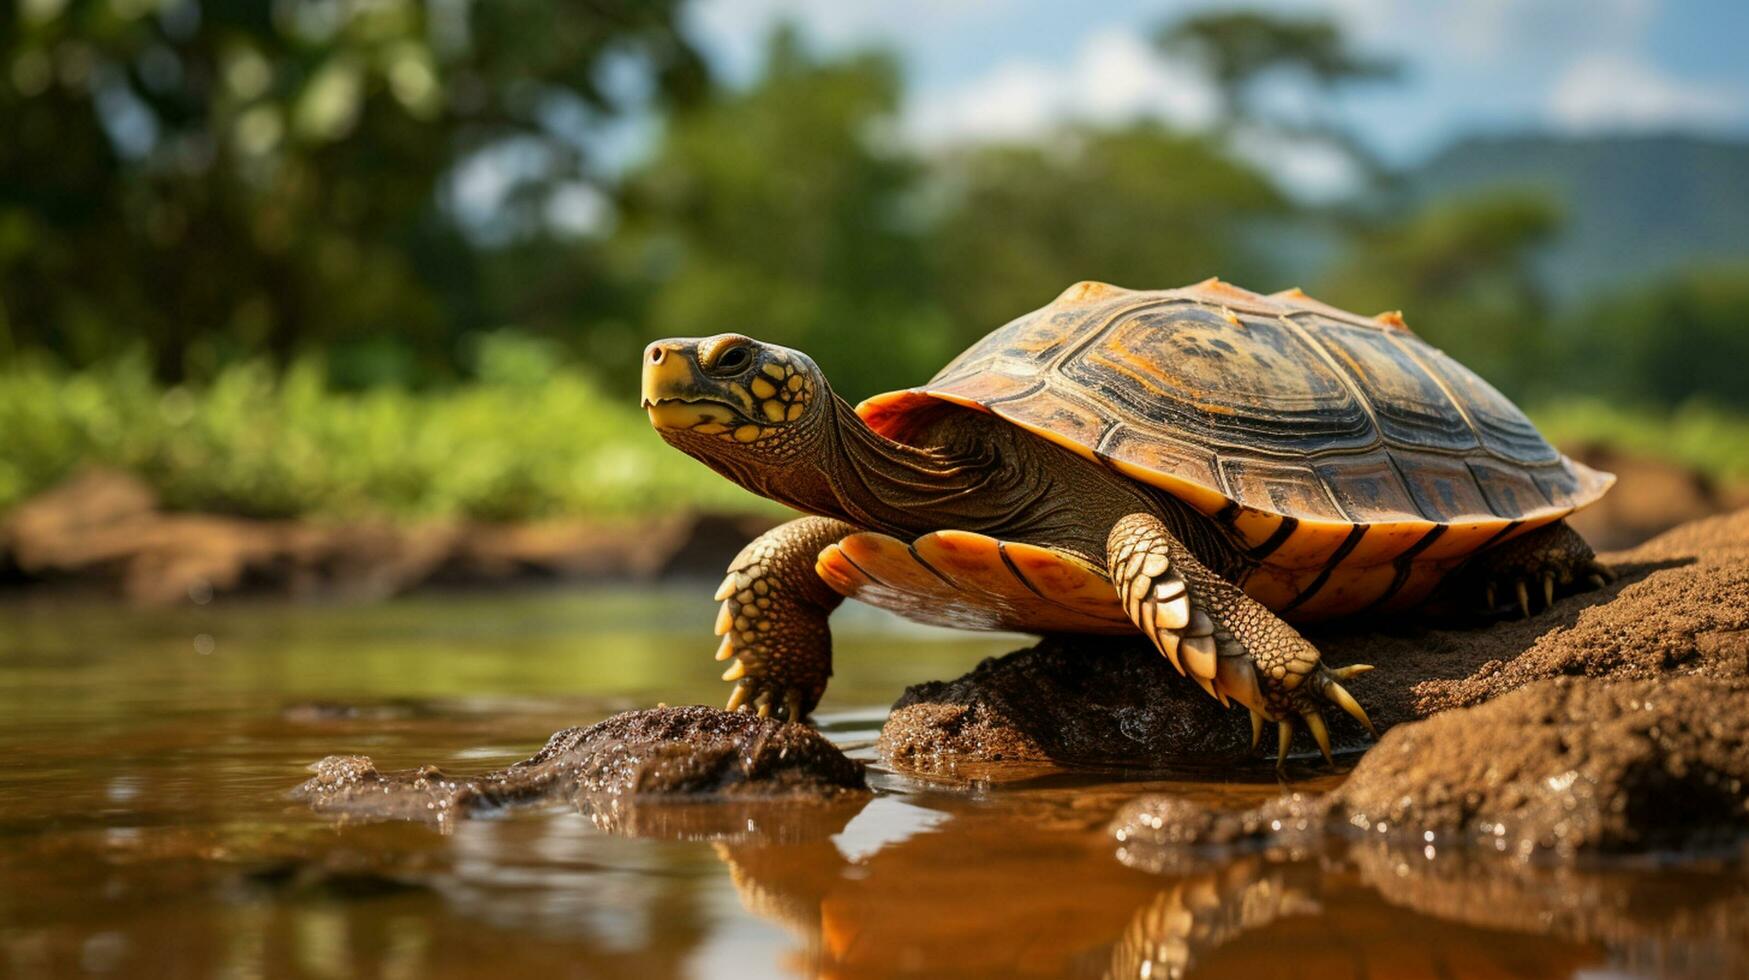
x=1203 y=464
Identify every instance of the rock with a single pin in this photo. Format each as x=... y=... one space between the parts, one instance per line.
x=650 y=756
x=1077 y=700
x=1681 y=607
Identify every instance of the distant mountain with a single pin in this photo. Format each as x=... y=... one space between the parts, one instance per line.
x=1635 y=207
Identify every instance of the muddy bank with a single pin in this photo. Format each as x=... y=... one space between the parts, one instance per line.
x=1560 y=767
x=610 y=770
x=1681 y=607
x=105 y=531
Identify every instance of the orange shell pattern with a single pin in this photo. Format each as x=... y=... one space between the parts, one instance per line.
x=1355 y=462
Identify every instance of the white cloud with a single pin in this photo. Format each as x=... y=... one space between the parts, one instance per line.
x=1114 y=77
x=1617 y=91
x=1309 y=169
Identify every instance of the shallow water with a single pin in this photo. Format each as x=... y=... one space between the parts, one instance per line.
x=145 y=830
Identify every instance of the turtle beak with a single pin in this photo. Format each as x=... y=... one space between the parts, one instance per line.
x=677 y=395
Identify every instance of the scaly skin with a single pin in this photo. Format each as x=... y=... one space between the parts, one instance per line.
x=773 y=619
x=1537 y=565
x=1222 y=638
x=723 y=400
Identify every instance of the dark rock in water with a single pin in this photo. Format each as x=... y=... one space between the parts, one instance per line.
x=1681 y=607
x=1561 y=767
x=1082 y=700
x=658 y=755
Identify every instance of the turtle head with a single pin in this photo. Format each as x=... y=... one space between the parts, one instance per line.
x=708 y=395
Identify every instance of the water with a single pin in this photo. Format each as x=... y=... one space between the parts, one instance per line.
x=144 y=828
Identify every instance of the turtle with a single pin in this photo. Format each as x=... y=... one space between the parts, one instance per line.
x=1204 y=465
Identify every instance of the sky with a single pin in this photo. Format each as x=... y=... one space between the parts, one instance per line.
x=980 y=69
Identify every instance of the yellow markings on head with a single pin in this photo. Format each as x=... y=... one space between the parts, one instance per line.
x=747 y=433
x=794 y=412
x=763 y=388
x=773 y=410
x=794 y=383
x=774 y=371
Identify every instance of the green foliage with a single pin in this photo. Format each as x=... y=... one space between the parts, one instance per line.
x=1139 y=207
x=1682 y=338
x=258 y=199
x=227 y=178
x=1705 y=436
x=781 y=211
x=1461 y=272
x=1240 y=49
x=528 y=440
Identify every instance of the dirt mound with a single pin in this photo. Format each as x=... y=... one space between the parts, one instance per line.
x=650 y=756
x=1561 y=767
x=1680 y=607
x=1565 y=765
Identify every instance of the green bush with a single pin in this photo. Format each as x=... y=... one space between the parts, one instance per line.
x=528 y=439
x=1705 y=436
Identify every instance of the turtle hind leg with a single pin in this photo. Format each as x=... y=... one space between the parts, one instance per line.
x=1227 y=642
x=1530 y=571
x=773 y=620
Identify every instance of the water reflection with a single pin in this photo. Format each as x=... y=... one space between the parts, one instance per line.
x=1030 y=885
x=144 y=832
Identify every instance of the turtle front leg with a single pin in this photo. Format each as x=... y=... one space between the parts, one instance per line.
x=1222 y=638
x=773 y=619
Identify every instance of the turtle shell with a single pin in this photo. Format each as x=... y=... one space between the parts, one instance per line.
x=1323 y=439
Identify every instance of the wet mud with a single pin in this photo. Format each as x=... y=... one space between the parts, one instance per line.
x=618 y=771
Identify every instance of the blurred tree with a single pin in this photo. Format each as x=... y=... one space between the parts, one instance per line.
x=1666 y=343
x=1140 y=207
x=232 y=175
x=1246 y=53
x=786 y=211
x=1462 y=272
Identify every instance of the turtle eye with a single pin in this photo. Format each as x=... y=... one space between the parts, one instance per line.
x=732 y=361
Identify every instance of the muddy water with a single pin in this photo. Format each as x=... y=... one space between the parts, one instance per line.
x=144 y=829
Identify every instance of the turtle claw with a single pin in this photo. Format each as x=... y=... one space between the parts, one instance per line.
x=1256 y=728
x=1344 y=700
x=1523 y=598
x=787 y=704
x=1284 y=738
x=1320 y=733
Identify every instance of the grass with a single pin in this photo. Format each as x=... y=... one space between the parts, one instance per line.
x=527 y=440
x=510 y=446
